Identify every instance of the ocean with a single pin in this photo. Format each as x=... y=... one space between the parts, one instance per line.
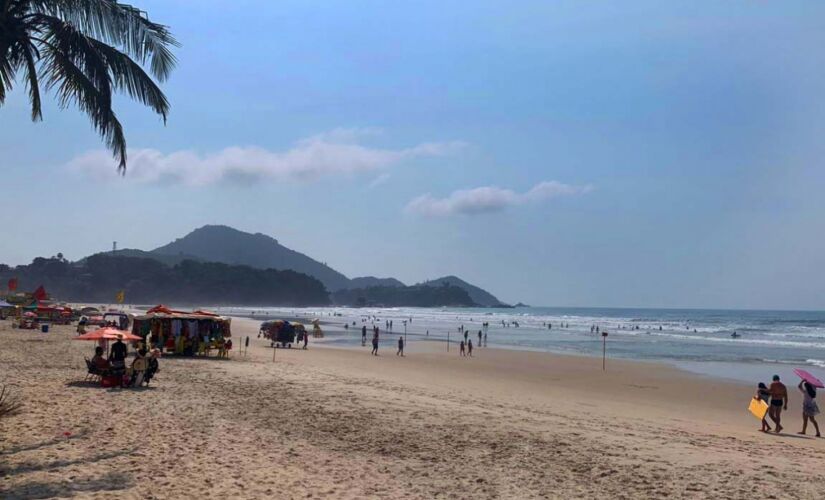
x=694 y=339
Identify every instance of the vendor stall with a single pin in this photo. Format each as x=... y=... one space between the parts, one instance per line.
x=184 y=333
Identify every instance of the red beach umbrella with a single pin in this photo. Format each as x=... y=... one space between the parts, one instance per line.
x=108 y=333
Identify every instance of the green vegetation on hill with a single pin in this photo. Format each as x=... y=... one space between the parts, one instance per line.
x=480 y=297
x=230 y=246
x=99 y=277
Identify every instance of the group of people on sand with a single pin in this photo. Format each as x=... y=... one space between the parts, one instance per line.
x=141 y=370
x=776 y=396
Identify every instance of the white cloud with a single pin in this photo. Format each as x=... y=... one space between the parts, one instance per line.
x=337 y=152
x=381 y=179
x=489 y=199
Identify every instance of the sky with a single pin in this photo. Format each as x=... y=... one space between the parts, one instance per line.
x=567 y=153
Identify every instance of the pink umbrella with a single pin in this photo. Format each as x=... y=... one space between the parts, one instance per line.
x=807 y=377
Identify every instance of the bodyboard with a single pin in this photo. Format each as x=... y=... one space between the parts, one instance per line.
x=758 y=408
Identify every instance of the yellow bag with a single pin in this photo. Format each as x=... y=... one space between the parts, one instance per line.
x=758 y=408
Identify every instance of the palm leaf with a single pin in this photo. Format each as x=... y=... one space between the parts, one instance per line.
x=121 y=25
x=73 y=85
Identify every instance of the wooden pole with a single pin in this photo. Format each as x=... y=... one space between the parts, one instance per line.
x=604 y=349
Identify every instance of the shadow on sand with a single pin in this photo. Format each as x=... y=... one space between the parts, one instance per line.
x=33 y=466
x=111 y=482
x=96 y=385
x=42 y=444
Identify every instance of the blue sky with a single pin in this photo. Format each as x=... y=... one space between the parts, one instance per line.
x=663 y=154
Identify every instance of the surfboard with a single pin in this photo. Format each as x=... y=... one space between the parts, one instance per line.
x=807 y=377
x=758 y=408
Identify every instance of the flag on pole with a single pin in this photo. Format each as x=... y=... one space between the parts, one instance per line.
x=120 y=297
x=13 y=284
x=40 y=294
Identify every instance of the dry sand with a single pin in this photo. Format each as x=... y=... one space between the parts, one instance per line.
x=343 y=424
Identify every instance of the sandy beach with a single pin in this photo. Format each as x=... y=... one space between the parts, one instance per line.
x=339 y=423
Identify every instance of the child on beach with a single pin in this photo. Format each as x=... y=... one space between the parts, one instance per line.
x=809 y=407
x=461 y=348
x=375 y=344
x=765 y=395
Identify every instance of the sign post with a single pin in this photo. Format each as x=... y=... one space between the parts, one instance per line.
x=604 y=348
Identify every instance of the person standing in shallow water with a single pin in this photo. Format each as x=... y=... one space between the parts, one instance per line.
x=479 y=338
x=809 y=407
x=779 y=401
x=363 y=335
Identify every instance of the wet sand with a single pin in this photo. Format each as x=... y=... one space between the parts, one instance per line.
x=339 y=423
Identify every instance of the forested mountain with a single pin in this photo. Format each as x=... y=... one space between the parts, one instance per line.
x=230 y=246
x=99 y=277
x=479 y=296
x=222 y=244
x=368 y=281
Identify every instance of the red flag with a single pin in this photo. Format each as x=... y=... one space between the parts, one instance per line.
x=40 y=293
x=13 y=284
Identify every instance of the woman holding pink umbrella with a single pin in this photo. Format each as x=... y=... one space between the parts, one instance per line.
x=809 y=406
x=810 y=409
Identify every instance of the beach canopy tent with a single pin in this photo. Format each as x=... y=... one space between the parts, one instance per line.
x=183 y=332
x=3 y=303
x=108 y=333
x=51 y=312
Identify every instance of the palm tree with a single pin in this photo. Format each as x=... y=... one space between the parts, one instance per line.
x=84 y=50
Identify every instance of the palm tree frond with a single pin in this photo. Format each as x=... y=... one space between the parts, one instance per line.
x=72 y=85
x=122 y=25
x=34 y=87
x=129 y=76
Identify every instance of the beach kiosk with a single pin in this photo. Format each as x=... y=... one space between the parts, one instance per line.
x=184 y=333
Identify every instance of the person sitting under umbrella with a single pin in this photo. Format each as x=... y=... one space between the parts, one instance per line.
x=99 y=362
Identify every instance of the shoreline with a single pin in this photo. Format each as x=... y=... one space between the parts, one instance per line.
x=738 y=372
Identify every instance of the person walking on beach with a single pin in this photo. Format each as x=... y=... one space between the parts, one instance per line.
x=400 y=347
x=470 y=348
x=375 y=343
x=479 y=338
x=363 y=335
x=764 y=394
x=779 y=401
x=306 y=339
x=809 y=407
x=461 y=348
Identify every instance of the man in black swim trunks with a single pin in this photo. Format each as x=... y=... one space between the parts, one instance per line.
x=779 y=401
